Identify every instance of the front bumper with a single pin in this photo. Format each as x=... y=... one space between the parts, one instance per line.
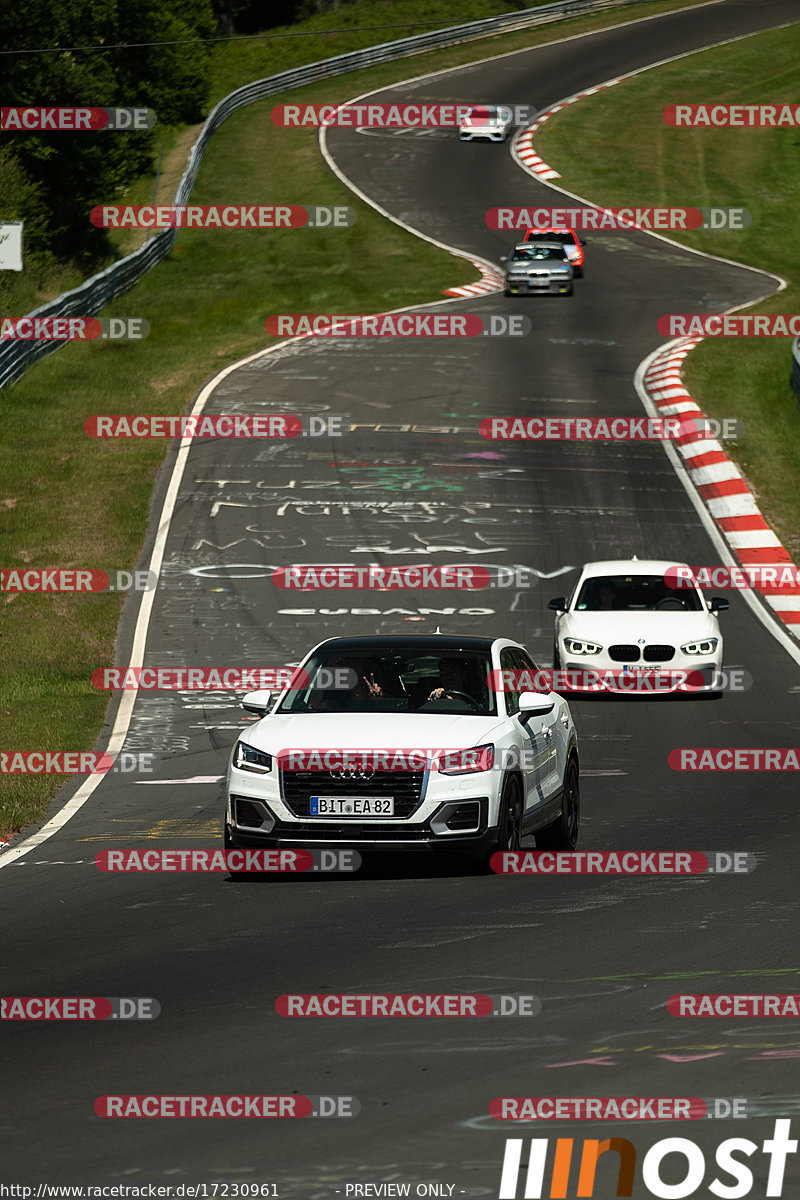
x=682 y=678
x=373 y=835
x=484 y=135
x=554 y=285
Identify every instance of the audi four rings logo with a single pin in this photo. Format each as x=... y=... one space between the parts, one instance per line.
x=352 y=773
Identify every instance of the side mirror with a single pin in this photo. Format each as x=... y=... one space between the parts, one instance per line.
x=503 y=258
x=582 y=241
x=535 y=704
x=256 y=702
x=558 y=604
x=719 y=604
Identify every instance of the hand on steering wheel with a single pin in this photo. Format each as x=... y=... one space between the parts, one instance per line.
x=442 y=693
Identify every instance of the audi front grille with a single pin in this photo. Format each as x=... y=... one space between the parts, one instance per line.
x=406 y=788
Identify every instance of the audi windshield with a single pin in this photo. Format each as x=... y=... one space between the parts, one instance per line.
x=394 y=679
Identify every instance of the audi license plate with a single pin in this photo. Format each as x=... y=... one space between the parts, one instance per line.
x=351 y=806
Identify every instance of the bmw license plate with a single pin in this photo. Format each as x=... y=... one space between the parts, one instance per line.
x=351 y=806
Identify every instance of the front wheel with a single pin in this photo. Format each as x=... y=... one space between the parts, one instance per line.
x=509 y=820
x=562 y=834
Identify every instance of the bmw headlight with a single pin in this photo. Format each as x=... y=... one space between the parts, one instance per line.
x=247 y=758
x=579 y=646
x=707 y=646
x=563 y=270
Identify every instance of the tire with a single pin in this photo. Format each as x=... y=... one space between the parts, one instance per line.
x=509 y=822
x=562 y=834
x=506 y=292
x=556 y=657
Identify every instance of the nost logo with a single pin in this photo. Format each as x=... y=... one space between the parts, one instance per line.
x=691 y=1167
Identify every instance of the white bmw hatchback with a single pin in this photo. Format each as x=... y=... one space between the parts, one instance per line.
x=407 y=743
x=627 y=616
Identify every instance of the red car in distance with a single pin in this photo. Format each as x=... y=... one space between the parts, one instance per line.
x=572 y=243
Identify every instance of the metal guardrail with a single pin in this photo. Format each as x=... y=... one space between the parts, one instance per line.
x=796 y=368
x=90 y=297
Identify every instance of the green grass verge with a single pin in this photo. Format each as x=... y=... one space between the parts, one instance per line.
x=67 y=500
x=756 y=169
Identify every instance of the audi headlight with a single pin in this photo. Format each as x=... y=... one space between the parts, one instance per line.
x=465 y=762
x=707 y=646
x=579 y=646
x=247 y=758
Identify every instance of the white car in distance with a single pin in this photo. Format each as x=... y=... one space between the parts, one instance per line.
x=486 y=122
x=626 y=615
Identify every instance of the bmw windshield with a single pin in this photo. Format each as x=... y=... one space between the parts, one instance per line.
x=635 y=593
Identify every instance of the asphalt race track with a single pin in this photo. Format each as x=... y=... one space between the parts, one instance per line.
x=415 y=483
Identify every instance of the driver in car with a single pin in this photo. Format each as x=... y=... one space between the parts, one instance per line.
x=453 y=674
